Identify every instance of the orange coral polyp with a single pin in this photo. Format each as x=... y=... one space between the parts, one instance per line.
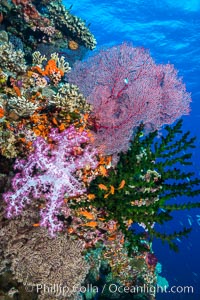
x=50 y=68
x=1 y=112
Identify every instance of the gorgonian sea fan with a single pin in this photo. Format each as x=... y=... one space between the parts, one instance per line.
x=50 y=172
x=126 y=87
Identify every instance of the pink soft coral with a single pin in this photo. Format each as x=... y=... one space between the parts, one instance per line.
x=49 y=172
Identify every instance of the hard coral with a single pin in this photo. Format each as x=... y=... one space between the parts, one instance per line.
x=72 y=24
x=11 y=60
x=54 y=69
x=36 y=259
x=21 y=106
x=70 y=99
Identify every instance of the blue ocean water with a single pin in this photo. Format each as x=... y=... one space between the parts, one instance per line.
x=170 y=29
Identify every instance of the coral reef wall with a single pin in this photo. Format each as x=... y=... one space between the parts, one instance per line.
x=84 y=178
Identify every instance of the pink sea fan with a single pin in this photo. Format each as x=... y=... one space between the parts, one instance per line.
x=49 y=172
x=126 y=87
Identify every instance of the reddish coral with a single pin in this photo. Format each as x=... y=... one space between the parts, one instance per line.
x=1 y=18
x=28 y=9
x=17 y=90
x=1 y=112
x=125 y=88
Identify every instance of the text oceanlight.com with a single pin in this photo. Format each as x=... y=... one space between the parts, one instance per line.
x=152 y=290
x=59 y=290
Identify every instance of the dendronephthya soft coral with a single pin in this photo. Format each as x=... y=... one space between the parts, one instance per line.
x=50 y=173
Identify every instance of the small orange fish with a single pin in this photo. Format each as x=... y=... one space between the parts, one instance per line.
x=87 y=215
x=41 y=127
x=29 y=144
x=106 y=196
x=91 y=224
x=103 y=171
x=17 y=90
x=54 y=121
x=85 y=117
x=62 y=127
x=91 y=196
x=101 y=219
x=112 y=189
x=112 y=237
x=36 y=225
x=102 y=187
x=122 y=184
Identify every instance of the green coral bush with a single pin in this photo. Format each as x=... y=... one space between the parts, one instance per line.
x=151 y=174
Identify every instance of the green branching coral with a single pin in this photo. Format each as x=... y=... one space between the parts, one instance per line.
x=151 y=174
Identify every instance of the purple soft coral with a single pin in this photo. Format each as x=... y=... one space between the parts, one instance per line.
x=50 y=172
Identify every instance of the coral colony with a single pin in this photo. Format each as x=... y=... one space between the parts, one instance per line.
x=126 y=87
x=51 y=173
x=84 y=177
